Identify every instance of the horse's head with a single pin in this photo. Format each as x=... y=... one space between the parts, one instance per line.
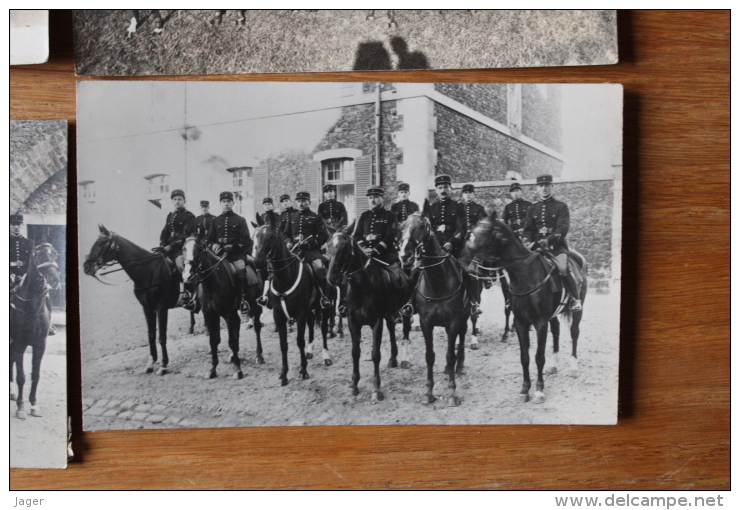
x=414 y=232
x=490 y=238
x=192 y=252
x=340 y=249
x=268 y=244
x=103 y=253
x=44 y=257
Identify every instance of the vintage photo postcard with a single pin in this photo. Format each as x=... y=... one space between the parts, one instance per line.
x=29 y=37
x=150 y=42
x=261 y=254
x=38 y=325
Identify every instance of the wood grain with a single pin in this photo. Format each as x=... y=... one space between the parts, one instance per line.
x=674 y=425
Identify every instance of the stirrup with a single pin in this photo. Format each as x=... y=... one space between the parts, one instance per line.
x=244 y=307
x=324 y=302
x=487 y=283
x=184 y=299
x=475 y=310
x=407 y=310
x=262 y=300
x=343 y=311
x=575 y=305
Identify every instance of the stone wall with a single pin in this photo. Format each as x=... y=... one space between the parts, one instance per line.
x=38 y=151
x=50 y=197
x=285 y=174
x=486 y=98
x=470 y=151
x=541 y=114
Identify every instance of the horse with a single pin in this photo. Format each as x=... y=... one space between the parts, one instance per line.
x=485 y=274
x=30 y=316
x=440 y=296
x=218 y=290
x=537 y=297
x=292 y=294
x=371 y=298
x=156 y=284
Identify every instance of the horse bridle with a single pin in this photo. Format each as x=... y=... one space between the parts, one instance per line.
x=343 y=271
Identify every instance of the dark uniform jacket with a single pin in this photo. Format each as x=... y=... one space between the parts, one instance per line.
x=447 y=222
x=203 y=224
x=403 y=209
x=377 y=229
x=472 y=213
x=548 y=219
x=20 y=251
x=285 y=217
x=334 y=213
x=270 y=218
x=305 y=224
x=515 y=214
x=230 y=228
x=173 y=234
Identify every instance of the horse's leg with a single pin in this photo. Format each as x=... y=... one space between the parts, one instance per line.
x=554 y=362
x=332 y=312
x=282 y=328
x=460 y=364
x=390 y=323
x=301 y=337
x=36 y=357
x=575 y=331
x=309 y=321
x=355 y=331
x=539 y=357
x=233 y=322
x=474 y=336
x=16 y=354
x=162 y=321
x=257 y=332
x=13 y=394
x=326 y=356
x=522 y=332
x=507 y=305
x=405 y=342
x=452 y=336
x=428 y=331
x=213 y=324
x=377 y=328
x=191 y=330
x=151 y=326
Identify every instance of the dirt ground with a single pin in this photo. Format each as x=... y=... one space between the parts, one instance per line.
x=42 y=441
x=118 y=394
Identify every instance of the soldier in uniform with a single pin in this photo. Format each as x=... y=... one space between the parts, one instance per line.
x=203 y=222
x=287 y=211
x=376 y=232
x=306 y=233
x=547 y=224
x=229 y=237
x=173 y=234
x=446 y=217
x=515 y=212
x=20 y=250
x=333 y=212
x=404 y=207
x=472 y=212
x=270 y=217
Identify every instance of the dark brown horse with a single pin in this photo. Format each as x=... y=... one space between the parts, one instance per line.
x=156 y=284
x=371 y=299
x=440 y=297
x=30 y=316
x=218 y=290
x=293 y=294
x=537 y=296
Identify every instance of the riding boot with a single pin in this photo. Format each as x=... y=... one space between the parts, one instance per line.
x=475 y=310
x=574 y=290
x=319 y=274
x=263 y=300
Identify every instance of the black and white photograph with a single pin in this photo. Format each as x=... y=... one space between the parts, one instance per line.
x=37 y=324
x=29 y=36
x=266 y=254
x=172 y=42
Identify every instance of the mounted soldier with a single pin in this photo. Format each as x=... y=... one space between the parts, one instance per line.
x=333 y=211
x=270 y=217
x=20 y=250
x=515 y=212
x=203 y=222
x=306 y=233
x=229 y=238
x=547 y=224
x=472 y=212
x=445 y=216
x=404 y=207
x=173 y=236
x=287 y=211
x=376 y=233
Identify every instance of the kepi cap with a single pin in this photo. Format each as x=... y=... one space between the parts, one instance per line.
x=177 y=192
x=442 y=179
x=303 y=195
x=468 y=188
x=204 y=203
x=226 y=195
x=375 y=190
x=544 y=179
x=267 y=200
x=284 y=197
x=514 y=185
x=404 y=187
x=329 y=187
x=16 y=218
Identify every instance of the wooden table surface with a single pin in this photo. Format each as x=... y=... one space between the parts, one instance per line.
x=674 y=391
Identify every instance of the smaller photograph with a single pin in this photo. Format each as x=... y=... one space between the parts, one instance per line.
x=29 y=37
x=38 y=324
x=131 y=42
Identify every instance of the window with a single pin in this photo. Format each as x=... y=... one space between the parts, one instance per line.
x=239 y=176
x=159 y=186
x=341 y=172
x=88 y=191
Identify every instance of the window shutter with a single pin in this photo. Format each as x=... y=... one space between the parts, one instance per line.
x=312 y=181
x=260 y=184
x=363 y=179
